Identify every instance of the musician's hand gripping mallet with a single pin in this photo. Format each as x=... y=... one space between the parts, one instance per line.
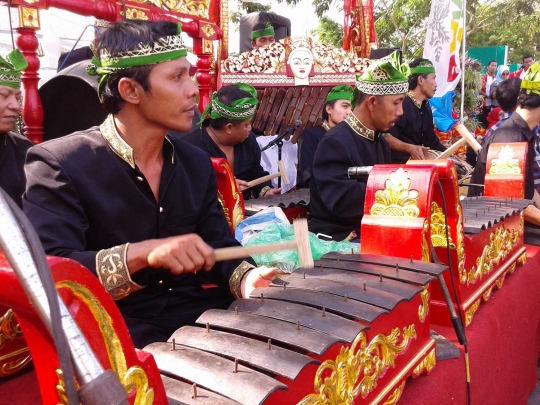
x=281 y=172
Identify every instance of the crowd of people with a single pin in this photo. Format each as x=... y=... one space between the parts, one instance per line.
x=147 y=220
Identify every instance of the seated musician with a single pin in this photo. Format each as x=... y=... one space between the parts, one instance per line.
x=338 y=105
x=226 y=133
x=414 y=132
x=262 y=34
x=13 y=146
x=519 y=127
x=337 y=202
x=136 y=208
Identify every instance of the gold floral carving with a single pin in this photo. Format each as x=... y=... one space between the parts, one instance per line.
x=11 y=367
x=225 y=209
x=501 y=243
x=207 y=46
x=357 y=368
x=198 y=8
x=487 y=293
x=238 y=212
x=500 y=281
x=396 y=395
x=469 y=313
x=396 y=199
x=29 y=17
x=30 y=1
x=439 y=228
x=135 y=376
x=425 y=245
x=208 y=30
x=522 y=259
x=460 y=246
x=9 y=328
x=272 y=59
x=134 y=14
x=505 y=163
x=423 y=309
x=427 y=364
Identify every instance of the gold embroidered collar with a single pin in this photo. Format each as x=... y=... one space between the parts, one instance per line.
x=359 y=128
x=118 y=145
x=416 y=102
x=326 y=125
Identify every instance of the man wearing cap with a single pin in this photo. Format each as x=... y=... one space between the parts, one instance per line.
x=13 y=146
x=85 y=52
x=519 y=127
x=263 y=34
x=337 y=202
x=226 y=133
x=338 y=105
x=136 y=208
x=414 y=132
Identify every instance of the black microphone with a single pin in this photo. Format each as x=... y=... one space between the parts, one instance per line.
x=359 y=172
x=280 y=137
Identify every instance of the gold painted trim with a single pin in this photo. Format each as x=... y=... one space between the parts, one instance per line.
x=397 y=199
x=135 y=14
x=460 y=244
x=358 y=367
x=423 y=309
x=438 y=228
x=487 y=293
x=502 y=241
x=357 y=126
x=522 y=259
x=115 y=141
x=14 y=353
x=197 y=8
x=236 y=278
x=14 y=366
x=505 y=162
x=135 y=376
x=403 y=372
x=425 y=245
x=238 y=213
x=29 y=17
x=9 y=328
x=427 y=364
x=396 y=395
x=494 y=277
x=208 y=30
x=469 y=313
x=325 y=125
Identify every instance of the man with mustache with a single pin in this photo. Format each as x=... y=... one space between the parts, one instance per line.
x=13 y=146
x=337 y=202
x=414 y=132
x=138 y=209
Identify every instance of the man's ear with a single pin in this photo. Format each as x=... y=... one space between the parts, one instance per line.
x=228 y=127
x=372 y=103
x=253 y=44
x=130 y=90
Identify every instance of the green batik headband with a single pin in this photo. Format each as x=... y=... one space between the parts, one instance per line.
x=267 y=30
x=531 y=81
x=341 y=92
x=162 y=50
x=10 y=69
x=239 y=110
x=424 y=67
x=387 y=76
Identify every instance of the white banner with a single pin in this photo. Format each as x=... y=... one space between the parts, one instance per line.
x=443 y=40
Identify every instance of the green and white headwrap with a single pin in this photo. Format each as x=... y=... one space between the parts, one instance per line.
x=387 y=76
x=341 y=92
x=531 y=81
x=267 y=30
x=163 y=50
x=239 y=110
x=424 y=67
x=11 y=68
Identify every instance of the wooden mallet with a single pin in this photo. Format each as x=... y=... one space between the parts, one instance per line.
x=281 y=172
x=301 y=244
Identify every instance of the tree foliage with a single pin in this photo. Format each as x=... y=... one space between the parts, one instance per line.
x=403 y=24
x=246 y=8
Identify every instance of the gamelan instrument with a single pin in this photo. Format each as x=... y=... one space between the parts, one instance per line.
x=295 y=204
x=281 y=173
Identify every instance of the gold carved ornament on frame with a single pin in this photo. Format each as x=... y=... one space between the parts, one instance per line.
x=505 y=163
x=438 y=227
x=397 y=199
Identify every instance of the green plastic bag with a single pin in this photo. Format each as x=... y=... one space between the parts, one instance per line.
x=287 y=260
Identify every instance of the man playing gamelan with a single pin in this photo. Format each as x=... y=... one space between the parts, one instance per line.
x=414 y=132
x=338 y=105
x=136 y=208
x=13 y=146
x=226 y=133
x=337 y=202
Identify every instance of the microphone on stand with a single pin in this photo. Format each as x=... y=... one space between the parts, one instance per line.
x=359 y=172
x=280 y=137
